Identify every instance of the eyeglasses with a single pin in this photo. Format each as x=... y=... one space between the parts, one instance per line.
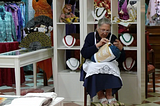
x=104 y=31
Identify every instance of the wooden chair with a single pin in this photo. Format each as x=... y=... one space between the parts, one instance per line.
x=150 y=69
x=85 y=92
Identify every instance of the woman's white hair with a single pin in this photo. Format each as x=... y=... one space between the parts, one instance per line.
x=103 y=21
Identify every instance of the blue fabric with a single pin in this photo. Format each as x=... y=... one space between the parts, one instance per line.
x=22 y=8
x=26 y=10
x=92 y=59
x=7 y=28
x=115 y=51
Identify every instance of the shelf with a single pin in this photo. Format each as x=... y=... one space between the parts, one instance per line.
x=94 y=22
x=72 y=48
x=59 y=23
x=64 y=78
x=67 y=71
x=126 y=23
x=130 y=48
x=131 y=73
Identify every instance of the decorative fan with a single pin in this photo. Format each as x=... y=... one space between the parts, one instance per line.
x=35 y=41
x=40 y=20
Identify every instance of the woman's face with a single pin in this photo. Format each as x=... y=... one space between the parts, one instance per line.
x=104 y=30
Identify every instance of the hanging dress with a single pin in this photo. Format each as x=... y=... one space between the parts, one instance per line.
x=42 y=7
x=123 y=14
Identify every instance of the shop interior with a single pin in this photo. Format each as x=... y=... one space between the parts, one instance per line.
x=35 y=56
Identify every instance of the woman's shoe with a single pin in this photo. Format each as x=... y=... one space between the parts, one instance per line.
x=103 y=100
x=112 y=101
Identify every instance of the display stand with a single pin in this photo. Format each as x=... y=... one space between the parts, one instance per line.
x=133 y=90
x=67 y=83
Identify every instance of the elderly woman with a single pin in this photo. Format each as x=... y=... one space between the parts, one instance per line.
x=98 y=79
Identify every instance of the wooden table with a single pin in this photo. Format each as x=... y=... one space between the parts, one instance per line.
x=19 y=58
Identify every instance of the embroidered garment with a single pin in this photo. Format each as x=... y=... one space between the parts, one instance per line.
x=132 y=11
x=7 y=28
x=153 y=13
x=104 y=68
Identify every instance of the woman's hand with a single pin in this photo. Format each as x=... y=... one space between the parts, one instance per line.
x=102 y=42
x=118 y=44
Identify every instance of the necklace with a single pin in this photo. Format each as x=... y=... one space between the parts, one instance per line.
x=101 y=12
x=72 y=64
x=67 y=43
x=128 y=68
x=125 y=39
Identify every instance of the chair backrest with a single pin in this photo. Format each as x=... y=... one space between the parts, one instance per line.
x=150 y=58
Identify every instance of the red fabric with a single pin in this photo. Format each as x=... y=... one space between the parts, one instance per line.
x=46 y=66
x=7 y=76
x=25 y=91
x=148 y=45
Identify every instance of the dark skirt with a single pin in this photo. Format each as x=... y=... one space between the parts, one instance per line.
x=98 y=82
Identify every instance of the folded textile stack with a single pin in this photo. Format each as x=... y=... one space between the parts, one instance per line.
x=34 y=99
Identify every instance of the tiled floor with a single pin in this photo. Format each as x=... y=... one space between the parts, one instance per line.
x=152 y=100
x=7 y=90
x=153 y=97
